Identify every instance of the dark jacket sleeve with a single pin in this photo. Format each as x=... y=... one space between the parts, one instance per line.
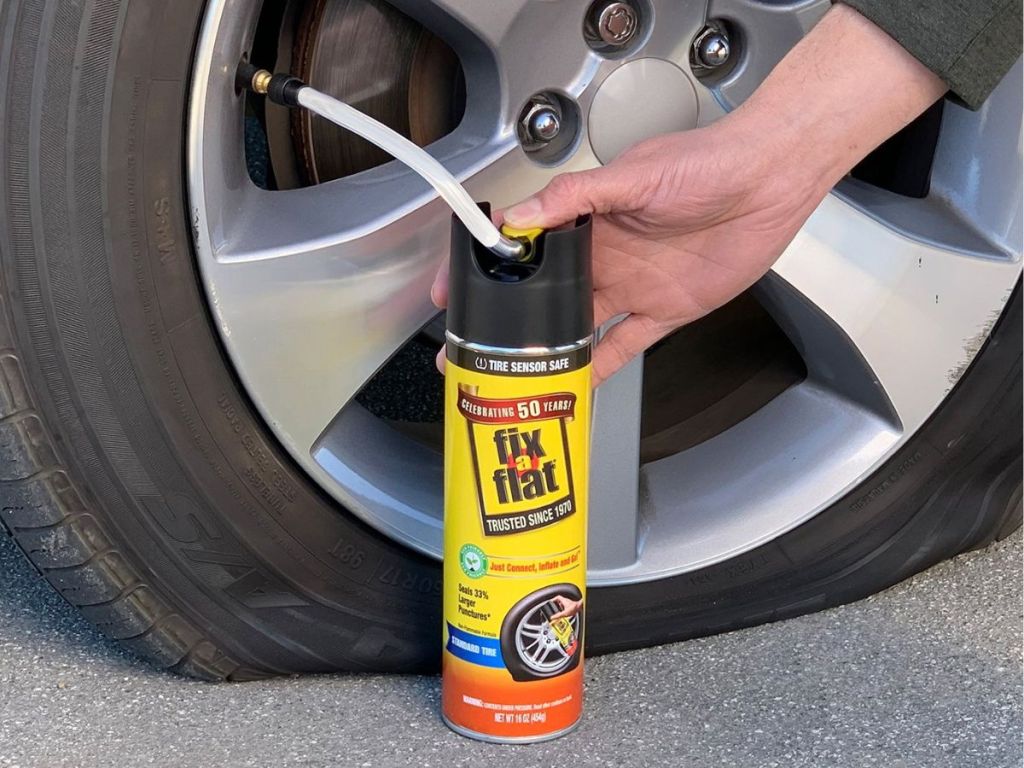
x=970 y=44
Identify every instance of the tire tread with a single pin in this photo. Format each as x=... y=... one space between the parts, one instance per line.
x=46 y=517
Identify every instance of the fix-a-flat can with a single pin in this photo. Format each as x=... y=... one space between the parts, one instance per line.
x=517 y=438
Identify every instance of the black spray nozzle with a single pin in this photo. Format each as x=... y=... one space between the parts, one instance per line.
x=547 y=301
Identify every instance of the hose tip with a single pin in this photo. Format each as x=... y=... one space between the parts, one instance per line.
x=512 y=249
x=519 y=243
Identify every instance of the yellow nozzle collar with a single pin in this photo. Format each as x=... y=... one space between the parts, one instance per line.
x=529 y=235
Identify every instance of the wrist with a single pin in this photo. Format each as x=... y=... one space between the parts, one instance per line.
x=844 y=89
x=774 y=158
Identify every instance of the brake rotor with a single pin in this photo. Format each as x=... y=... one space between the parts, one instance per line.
x=383 y=63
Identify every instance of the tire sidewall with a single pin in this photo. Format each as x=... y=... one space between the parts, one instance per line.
x=189 y=481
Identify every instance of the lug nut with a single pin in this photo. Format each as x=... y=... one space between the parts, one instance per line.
x=714 y=50
x=617 y=23
x=540 y=122
x=711 y=48
x=544 y=124
x=547 y=127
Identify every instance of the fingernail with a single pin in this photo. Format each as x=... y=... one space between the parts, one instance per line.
x=526 y=212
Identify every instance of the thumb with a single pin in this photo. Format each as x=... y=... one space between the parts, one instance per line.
x=568 y=195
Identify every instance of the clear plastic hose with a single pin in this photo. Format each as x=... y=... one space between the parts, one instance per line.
x=450 y=190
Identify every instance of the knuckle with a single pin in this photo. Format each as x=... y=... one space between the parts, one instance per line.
x=564 y=185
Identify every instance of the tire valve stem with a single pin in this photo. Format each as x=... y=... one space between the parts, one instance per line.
x=290 y=91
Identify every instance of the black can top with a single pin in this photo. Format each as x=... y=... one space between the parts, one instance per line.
x=544 y=302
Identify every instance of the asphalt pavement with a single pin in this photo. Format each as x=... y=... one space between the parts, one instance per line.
x=925 y=674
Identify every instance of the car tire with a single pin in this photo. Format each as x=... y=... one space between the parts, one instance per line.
x=145 y=488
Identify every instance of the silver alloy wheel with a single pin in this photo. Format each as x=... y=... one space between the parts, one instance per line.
x=887 y=299
x=537 y=644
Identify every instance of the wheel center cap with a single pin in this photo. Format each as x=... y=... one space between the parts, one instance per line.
x=637 y=101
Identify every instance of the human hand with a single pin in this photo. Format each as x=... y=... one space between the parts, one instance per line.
x=685 y=222
x=566 y=607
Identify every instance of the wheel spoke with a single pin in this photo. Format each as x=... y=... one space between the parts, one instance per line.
x=321 y=321
x=767 y=30
x=250 y=224
x=316 y=288
x=886 y=325
x=899 y=320
x=614 y=469
x=491 y=24
x=498 y=43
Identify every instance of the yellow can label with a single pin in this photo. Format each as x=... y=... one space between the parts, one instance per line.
x=516 y=449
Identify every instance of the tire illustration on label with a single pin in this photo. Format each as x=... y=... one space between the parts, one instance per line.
x=536 y=646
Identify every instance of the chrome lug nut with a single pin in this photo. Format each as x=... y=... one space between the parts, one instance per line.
x=617 y=23
x=544 y=124
x=711 y=48
x=714 y=50
x=540 y=122
x=548 y=127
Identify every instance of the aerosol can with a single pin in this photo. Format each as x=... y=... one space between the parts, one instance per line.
x=517 y=432
x=517 y=439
